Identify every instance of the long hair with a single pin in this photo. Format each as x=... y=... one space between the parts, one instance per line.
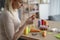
x=13 y=3
x=7 y=3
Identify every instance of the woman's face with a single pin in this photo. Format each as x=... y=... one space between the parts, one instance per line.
x=16 y=4
x=20 y=4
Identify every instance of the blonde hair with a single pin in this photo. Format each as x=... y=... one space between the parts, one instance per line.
x=13 y=3
x=7 y=3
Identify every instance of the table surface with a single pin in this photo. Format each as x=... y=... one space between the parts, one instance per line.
x=50 y=36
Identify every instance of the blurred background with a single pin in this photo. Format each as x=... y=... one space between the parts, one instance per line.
x=48 y=9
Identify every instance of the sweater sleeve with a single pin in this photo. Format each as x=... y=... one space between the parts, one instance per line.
x=8 y=25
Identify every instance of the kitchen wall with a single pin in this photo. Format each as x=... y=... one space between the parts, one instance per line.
x=54 y=8
x=50 y=10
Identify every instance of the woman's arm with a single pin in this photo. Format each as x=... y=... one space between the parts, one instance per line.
x=19 y=33
x=8 y=25
x=21 y=29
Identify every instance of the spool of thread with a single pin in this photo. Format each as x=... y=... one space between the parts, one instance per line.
x=44 y=25
x=47 y=23
x=44 y=33
x=26 y=31
x=43 y=22
x=38 y=23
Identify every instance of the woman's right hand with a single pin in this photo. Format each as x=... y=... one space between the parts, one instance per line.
x=30 y=20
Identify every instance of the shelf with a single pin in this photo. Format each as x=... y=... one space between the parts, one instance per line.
x=25 y=3
x=33 y=11
x=30 y=7
x=30 y=3
x=33 y=3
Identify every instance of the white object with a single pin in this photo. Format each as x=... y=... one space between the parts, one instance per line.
x=54 y=29
x=10 y=22
x=43 y=11
x=2 y=9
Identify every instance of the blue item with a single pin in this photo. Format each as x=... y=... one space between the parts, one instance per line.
x=38 y=23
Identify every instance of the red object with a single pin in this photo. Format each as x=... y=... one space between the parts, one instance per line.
x=43 y=22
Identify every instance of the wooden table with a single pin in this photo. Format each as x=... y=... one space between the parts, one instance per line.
x=50 y=36
x=39 y=36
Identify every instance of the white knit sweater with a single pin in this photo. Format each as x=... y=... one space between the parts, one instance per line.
x=9 y=23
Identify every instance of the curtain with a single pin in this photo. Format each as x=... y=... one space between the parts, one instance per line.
x=54 y=8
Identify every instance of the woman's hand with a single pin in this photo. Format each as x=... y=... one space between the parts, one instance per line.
x=29 y=20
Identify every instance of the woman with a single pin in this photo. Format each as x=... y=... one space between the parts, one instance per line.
x=10 y=21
